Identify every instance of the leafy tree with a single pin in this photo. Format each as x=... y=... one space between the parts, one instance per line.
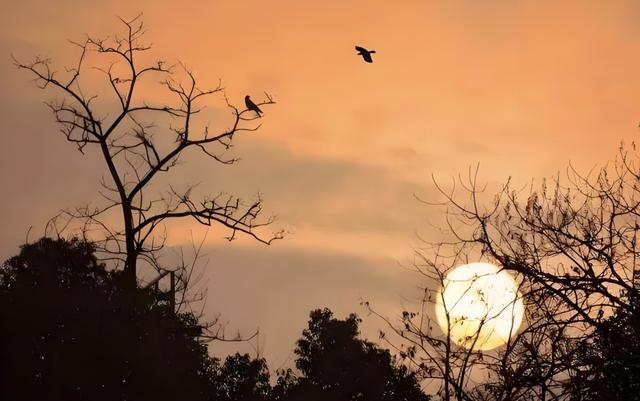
x=73 y=331
x=69 y=333
x=241 y=378
x=337 y=365
x=609 y=362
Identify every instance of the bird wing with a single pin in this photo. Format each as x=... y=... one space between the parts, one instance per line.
x=362 y=49
x=367 y=57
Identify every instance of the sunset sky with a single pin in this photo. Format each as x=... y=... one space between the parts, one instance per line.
x=520 y=87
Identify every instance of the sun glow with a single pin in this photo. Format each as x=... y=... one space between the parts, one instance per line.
x=479 y=306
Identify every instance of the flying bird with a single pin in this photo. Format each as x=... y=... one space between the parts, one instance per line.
x=252 y=106
x=366 y=54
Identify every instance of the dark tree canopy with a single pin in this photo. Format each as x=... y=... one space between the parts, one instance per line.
x=68 y=333
x=242 y=378
x=73 y=331
x=608 y=363
x=336 y=365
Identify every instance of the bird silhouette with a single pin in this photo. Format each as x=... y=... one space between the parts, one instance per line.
x=366 y=54
x=252 y=106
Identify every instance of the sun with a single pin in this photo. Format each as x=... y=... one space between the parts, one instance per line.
x=483 y=305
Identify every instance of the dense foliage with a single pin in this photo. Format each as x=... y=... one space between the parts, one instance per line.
x=73 y=330
x=608 y=363
x=70 y=331
x=337 y=365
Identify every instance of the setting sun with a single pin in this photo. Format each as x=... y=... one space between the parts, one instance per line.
x=483 y=306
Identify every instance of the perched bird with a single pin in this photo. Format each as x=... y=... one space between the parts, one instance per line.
x=366 y=54
x=252 y=106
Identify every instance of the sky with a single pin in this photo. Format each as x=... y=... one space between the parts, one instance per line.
x=521 y=88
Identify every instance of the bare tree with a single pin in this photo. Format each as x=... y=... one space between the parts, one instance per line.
x=141 y=139
x=572 y=245
x=448 y=352
x=576 y=240
x=534 y=363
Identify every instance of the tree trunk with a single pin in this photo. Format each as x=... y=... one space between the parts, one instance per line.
x=130 y=267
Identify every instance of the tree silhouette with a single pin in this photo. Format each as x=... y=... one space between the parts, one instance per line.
x=572 y=245
x=142 y=136
x=69 y=332
x=73 y=331
x=608 y=362
x=451 y=360
x=335 y=364
x=577 y=241
x=241 y=378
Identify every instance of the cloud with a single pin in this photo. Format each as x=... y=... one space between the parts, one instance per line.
x=274 y=289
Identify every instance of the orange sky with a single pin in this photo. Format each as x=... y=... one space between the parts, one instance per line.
x=521 y=87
